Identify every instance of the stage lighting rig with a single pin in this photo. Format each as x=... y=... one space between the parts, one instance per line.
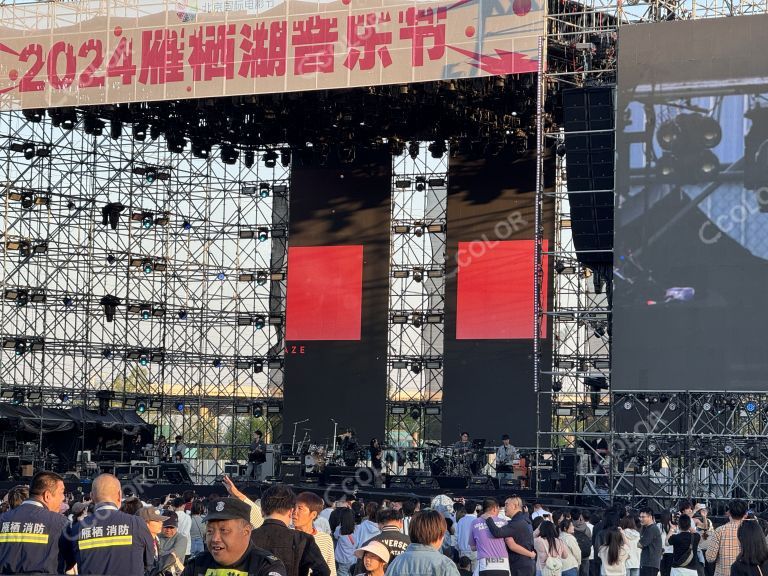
x=201 y=150
x=437 y=149
x=285 y=157
x=110 y=304
x=229 y=154
x=270 y=158
x=139 y=131
x=413 y=149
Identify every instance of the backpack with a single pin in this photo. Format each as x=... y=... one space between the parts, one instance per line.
x=553 y=566
x=584 y=542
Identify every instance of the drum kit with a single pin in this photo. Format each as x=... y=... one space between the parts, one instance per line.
x=454 y=461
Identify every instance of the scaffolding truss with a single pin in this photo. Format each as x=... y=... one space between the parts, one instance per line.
x=417 y=294
x=139 y=278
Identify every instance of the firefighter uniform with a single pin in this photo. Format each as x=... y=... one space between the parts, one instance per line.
x=112 y=542
x=33 y=539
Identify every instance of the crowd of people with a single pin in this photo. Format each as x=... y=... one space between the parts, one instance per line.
x=111 y=531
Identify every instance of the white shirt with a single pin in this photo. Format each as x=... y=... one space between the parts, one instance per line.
x=464 y=531
x=540 y=512
x=325 y=514
x=322 y=525
x=185 y=527
x=592 y=548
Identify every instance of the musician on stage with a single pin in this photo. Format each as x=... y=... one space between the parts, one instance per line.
x=163 y=451
x=257 y=455
x=506 y=454
x=349 y=447
x=376 y=462
x=463 y=445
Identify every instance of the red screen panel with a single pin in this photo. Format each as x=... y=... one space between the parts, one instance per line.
x=495 y=290
x=324 y=299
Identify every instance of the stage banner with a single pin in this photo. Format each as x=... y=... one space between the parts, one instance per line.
x=79 y=53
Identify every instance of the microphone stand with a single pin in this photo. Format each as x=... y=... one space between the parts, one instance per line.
x=335 y=429
x=295 y=427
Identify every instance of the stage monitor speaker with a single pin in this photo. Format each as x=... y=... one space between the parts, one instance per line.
x=232 y=470
x=480 y=483
x=123 y=472
x=452 y=482
x=416 y=472
x=151 y=472
x=399 y=482
x=175 y=473
x=425 y=482
x=510 y=484
x=291 y=471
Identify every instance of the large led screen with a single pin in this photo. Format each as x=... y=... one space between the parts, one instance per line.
x=690 y=269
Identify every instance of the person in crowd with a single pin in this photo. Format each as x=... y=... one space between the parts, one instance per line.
x=753 y=557
x=308 y=506
x=632 y=538
x=228 y=544
x=184 y=522
x=583 y=534
x=345 y=542
x=131 y=505
x=572 y=563
x=539 y=510
x=685 y=542
x=197 y=528
x=257 y=456
x=298 y=551
x=518 y=535
x=338 y=511
x=154 y=521
x=613 y=553
x=464 y=530
x=492 y=559
x=163 y=451
x=548 y=545
x=465 y=566
x=171 y=541
x=109 y=541
x=77 y=512
x=706 y=529
x=390 y=523
x=17 y=495
x=410 y=507
x=368 y=528
x=665 y=525
x=611 y=519
x=725 y=547
x=375 y=557
x=649 y=544
x=257 y=518
x=44 y=551
x=423 y=557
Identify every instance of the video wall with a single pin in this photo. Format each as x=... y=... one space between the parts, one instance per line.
x=691 y=244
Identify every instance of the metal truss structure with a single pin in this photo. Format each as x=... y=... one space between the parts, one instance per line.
x=582 y=51
x=138 y=278
x=417 y=294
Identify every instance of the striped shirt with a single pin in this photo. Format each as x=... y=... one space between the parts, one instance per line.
x=724 y=547
x=257 y=519
x=325 y=543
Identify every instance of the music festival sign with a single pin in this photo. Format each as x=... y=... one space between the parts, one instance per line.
x=109 y=51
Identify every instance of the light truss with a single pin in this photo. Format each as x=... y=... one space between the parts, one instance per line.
x=417 y=296
x=197 y=262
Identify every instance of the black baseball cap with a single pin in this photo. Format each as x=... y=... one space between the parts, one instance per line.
x=170 y=518
x=228 y=509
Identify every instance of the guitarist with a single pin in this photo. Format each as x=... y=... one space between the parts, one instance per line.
x=257 y=455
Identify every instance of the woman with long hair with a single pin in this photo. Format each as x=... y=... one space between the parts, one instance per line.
x=573 y=561
x=685 y=544
x=345 y=542
x=197 y=528
x=665 y=524
x=753 y=558
x=632 y=537
x=548 y=545
x=613 y=553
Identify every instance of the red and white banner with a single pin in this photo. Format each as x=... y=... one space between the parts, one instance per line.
x=98 y=52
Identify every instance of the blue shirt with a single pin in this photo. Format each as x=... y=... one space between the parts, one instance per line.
x=32 y=539
x=112 y=542
x=422 y=560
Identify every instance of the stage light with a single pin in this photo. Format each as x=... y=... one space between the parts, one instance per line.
x=29 y=150
x=750 y=406
x=67 y=301
x=258 y=365
x=416 y=367
x=93 y=125
x=106 y=353
x=261 y=278
x=413 y=150
x=417 y=275
x=728 y=448
x=229 y=154
x=143 y=360
x=415 y=412
x=141 y=406
x=274 y=409
x=653 y=447
x=420 y=183
x=147 y=267
x=560 y=149
x=417 y=321
x=20 y=348
x=264 y=190
x=182 y=314
x=187 y=225
x=139 y=131
x=180 y=406
x=668 y=135
x=64 y=397
x=202 y=150
x=27 y=200
x=557 y=386
x=22 y=299
x=18 y=397
x=176 y=143
x=706 y=406
x=263 y=234
x=33 y=115
x=270 y=158
x=248 y=158
x=217 y=363
x=285 y=157
x=628 y=403
x=397 y=410
x=146 y=313
x=146 y=219
x=257 y=411
x=437 y=149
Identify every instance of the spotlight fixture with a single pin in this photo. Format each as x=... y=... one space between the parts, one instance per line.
x=217 y=363
x=186 y=225
x=628 y=403
x=728 y=448
x=115 y=128
x=557 y=386
x=750 y=406
x=229 y=154
x=144 y=360
x=706 y=406
x=202 y=150
x=110 y=304
x=285 y=157
x=416 y=367
x=437 y=149
x=180 y=406
x=146 y=220
x=147 y=267
x=263 y=234
x=257 y=410
x=270 y=158
x=182 y=314
x=139 y=131
x=415 y=412
x=141 y=406
x=106 y=353
x=413 y=149
x=248 y=158
x=264 y=190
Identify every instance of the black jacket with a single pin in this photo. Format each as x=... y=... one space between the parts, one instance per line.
x=254 y=562
x=740 y=568
x=297 y=550
x=519 y=527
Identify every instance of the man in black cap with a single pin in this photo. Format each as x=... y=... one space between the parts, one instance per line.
x=298 y=551
x=32 y=535
x=170 y=540
x=228 y=539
